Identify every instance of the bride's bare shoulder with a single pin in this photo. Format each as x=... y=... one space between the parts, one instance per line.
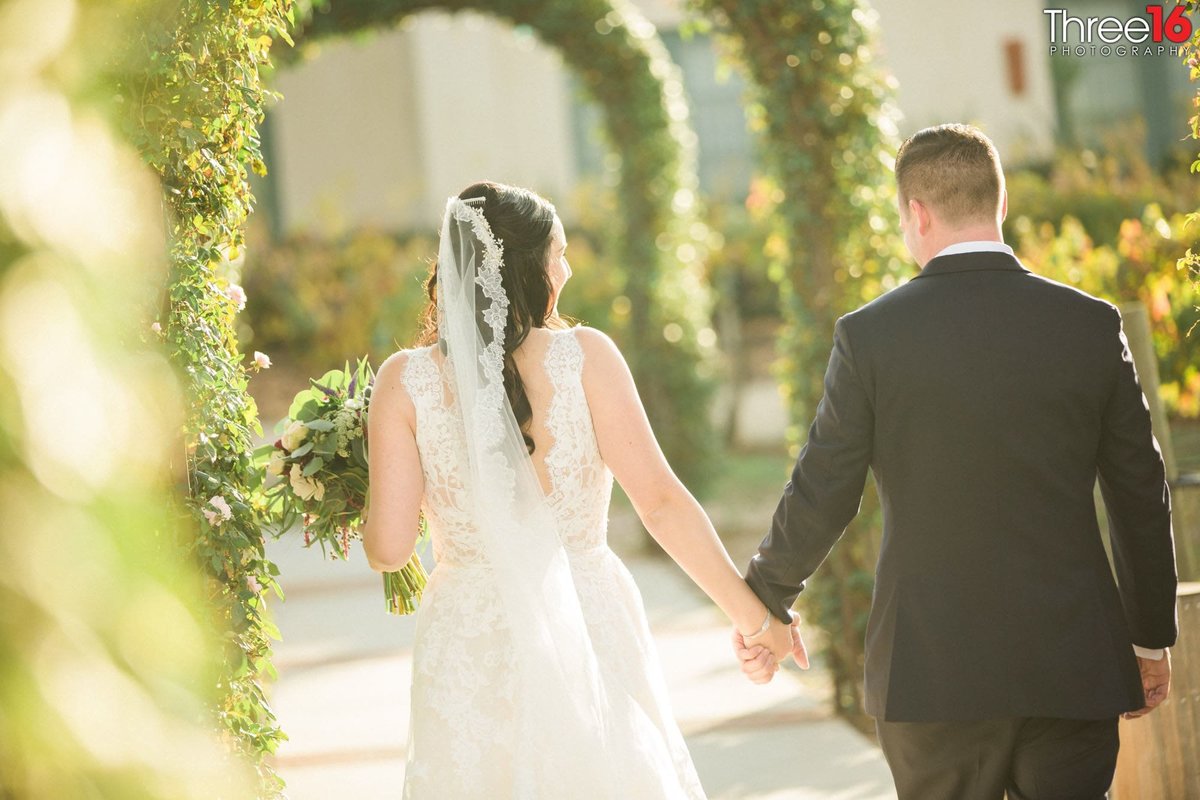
x=601 y=356
x=593 y=338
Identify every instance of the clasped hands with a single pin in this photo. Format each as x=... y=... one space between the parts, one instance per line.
x=760 y=654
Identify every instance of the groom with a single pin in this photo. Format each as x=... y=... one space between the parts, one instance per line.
x=986 y=400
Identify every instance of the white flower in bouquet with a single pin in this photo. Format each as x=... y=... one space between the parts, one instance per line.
x=346 y=426
x=218 y=510
x=305 y=487
x=276 y=464
x=293 y=436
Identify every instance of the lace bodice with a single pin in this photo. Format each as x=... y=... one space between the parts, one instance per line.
x=580 y=483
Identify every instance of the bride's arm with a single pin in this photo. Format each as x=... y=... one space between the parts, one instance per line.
x=396 y=480
x=665 y=506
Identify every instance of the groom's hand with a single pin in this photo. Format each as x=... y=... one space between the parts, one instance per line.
x=1156 y=683
x=799 y=651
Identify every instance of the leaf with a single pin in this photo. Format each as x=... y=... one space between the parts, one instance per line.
x=308 y=412
x=358 y=453
x=298 y=402
x=320 y=425
x=302 y=450
x=312 y=466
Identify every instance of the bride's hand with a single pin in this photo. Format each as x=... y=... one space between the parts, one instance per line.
x=761 y=655
x=757 y=662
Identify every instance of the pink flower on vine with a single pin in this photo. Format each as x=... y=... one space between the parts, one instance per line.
x=262 y=360
x=237 y=294
x=157 y=328
x=218 y=510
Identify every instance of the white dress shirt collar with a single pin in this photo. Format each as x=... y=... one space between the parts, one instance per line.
x=975 y=247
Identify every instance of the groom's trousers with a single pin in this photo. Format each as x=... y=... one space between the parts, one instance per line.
x=1030 y=758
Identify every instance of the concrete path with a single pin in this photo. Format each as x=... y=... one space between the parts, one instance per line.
x=344 y=670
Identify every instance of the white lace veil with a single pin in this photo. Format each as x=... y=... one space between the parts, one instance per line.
x=562 y=708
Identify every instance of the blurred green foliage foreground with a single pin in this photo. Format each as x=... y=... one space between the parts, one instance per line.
x=107 y=668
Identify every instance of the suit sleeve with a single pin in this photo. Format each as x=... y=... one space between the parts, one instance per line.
x=1138 y=501
x=826 y=485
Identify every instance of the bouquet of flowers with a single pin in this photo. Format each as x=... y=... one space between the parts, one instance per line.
x=320 y=459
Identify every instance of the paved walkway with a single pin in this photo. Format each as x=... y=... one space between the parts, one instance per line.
x=344 y=669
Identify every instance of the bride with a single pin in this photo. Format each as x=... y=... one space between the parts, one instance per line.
x=534 y=674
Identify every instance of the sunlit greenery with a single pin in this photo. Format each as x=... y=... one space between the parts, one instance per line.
x=193 y=92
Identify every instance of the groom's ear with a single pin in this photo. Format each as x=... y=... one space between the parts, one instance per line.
x=920 y=213
x=1003 y=204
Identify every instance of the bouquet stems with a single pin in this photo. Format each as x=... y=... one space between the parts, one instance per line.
x=402 y=590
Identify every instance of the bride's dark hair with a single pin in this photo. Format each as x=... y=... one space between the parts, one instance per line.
x=522 y=221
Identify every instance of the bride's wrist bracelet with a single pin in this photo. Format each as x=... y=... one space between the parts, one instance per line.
x=766 y=626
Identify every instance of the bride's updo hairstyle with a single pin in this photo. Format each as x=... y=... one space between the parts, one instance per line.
x=522 y=222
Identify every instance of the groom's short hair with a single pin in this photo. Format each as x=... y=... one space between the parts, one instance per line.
x=953 y=169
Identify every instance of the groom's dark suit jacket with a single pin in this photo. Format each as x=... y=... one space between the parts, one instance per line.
x=986 y=400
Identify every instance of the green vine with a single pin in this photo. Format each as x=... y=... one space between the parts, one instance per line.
x=825 y=110
x=1190 y=262
x=195 y=96
x=626 y=69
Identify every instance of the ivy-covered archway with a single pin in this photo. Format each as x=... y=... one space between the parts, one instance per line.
x=829 y=139
x=625 y=68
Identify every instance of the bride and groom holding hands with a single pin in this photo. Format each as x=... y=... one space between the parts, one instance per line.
x=985 y=401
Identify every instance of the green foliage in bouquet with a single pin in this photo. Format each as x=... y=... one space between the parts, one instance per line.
x=320 y=458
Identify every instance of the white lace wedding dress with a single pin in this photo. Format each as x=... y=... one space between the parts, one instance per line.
x=464 y=739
